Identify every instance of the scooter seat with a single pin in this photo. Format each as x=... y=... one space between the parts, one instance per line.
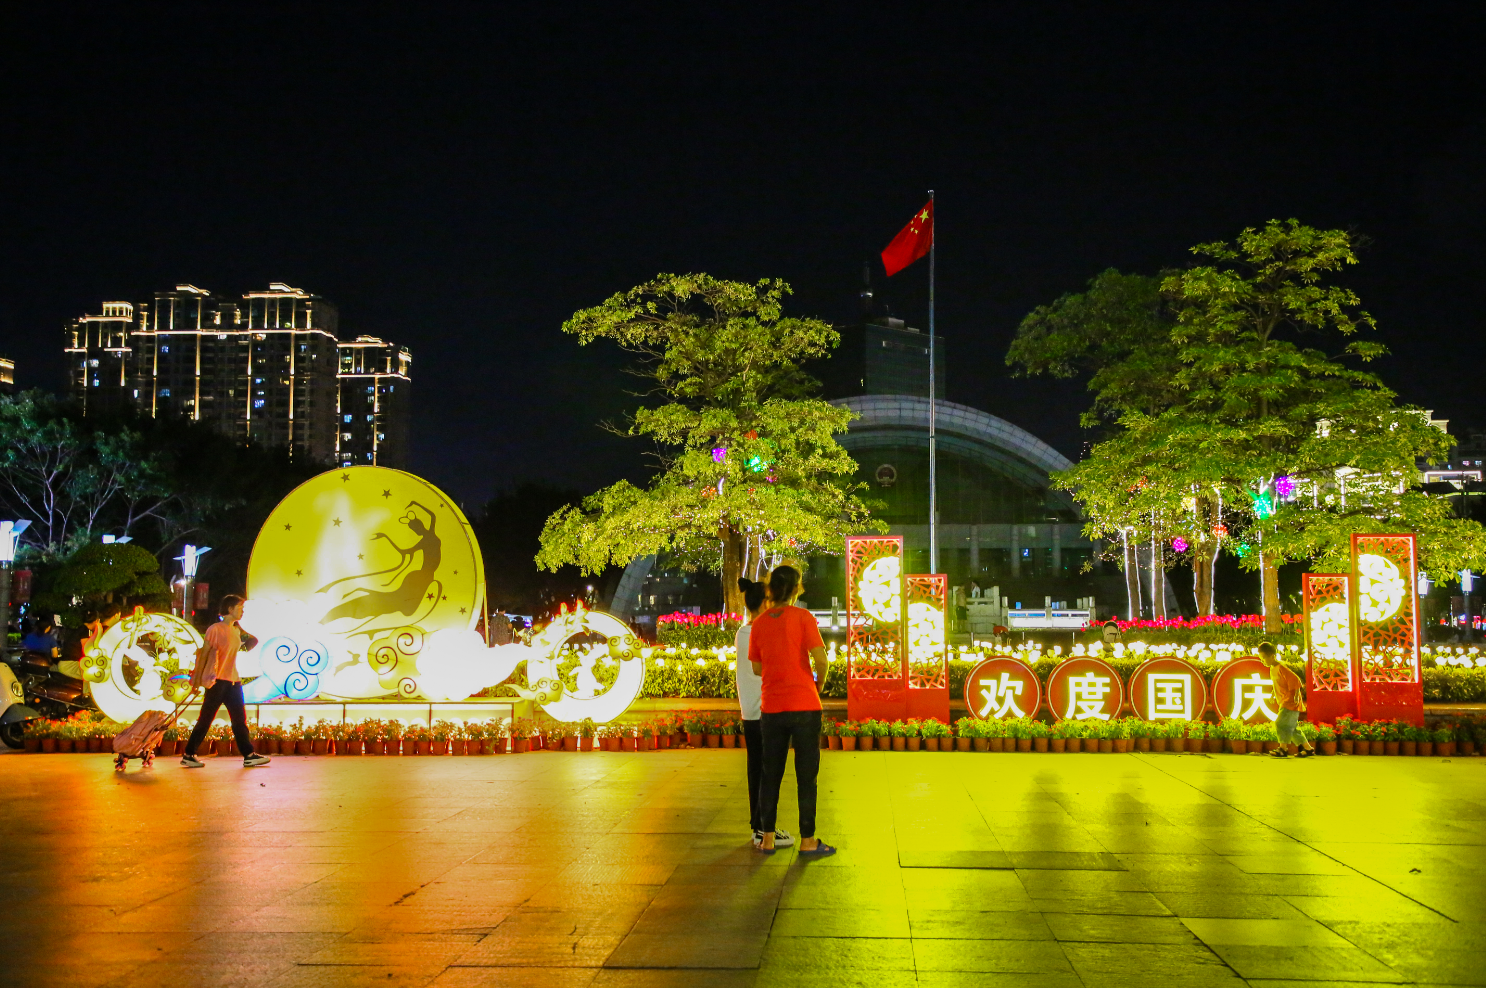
x=35 y=661
x=60 y=694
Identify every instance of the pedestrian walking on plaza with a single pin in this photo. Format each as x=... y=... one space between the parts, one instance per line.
x=750 y=686
x=782 y=647
x=216 y=672
x=500 y=627
x=1288 y=691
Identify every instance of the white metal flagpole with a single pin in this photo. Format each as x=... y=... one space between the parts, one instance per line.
x=933 y=479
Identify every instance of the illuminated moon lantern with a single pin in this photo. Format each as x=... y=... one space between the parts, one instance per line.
x=129 y=668
x=1380 y=587
x=584 y=698
x=368 y=582
x=880 y=589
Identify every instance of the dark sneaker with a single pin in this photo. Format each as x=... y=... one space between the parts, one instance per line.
x=255 y=759
x=191 y=761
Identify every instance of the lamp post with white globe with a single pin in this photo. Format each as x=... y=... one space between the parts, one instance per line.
x=10 y=533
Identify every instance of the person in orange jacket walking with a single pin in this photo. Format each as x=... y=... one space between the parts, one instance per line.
x=1288 y=690
x=217 y=672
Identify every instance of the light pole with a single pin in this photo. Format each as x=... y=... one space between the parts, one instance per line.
x=189 y=557
x=10 y=532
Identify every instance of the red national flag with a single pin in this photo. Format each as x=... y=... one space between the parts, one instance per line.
x=912 y=242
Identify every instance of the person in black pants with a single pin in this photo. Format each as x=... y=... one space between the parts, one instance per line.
x=749 y=690
x=783 y=647
x=223 y=686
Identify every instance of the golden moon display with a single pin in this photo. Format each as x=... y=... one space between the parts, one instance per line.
x=370 y=550
x=1380 y=588
x=880 y=589
x=128 y=669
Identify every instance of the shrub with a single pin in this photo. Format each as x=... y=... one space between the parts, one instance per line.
x=697 y=630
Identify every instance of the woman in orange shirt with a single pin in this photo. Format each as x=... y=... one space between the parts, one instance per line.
x=783 y=646
x=223 y=686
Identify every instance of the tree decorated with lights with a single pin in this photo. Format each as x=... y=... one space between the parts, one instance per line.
x=749 y=464
x=1294 y=447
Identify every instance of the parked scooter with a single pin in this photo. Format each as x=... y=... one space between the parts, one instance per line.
x=34 y=688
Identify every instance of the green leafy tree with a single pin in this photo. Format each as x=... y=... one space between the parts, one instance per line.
x=749 y=464
x=1299 y=448
x=97 y=574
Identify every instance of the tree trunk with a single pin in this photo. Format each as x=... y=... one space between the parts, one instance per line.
x=1204 y=558
x=1269 y=575
x=734 y=549
x=1132 y=579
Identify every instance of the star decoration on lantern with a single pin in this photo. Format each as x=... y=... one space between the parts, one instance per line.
x=336 y=522
x=386 y=493
x=299 y=572
x=345 y=477
x=287 y=526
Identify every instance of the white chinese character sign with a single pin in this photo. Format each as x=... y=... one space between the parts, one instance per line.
x=1002 y=688
x=1085 y=689
x=1168 y=689
x=1243 y=689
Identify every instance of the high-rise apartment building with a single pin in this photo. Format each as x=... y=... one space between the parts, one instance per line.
x=375 y=397
x=265 y=368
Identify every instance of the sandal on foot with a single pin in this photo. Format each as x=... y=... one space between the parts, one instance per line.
x=822 y=850
x=1304 y=753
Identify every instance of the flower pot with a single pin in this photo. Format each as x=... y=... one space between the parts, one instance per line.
x=320 y=746
x=1106 y=746
x=422 y=747
x=1467 y=747
x=695 y=740
x=1141 y=744
x=901 y=744
x=1425 y=749
x=1390 y=747
x=1152 y=744
x=354 y=747
x=714 y=740
x=498 y=746
x=729 y=740
x=848 y=743
x=995 y=744
x=64 y=745
x=1444 y=749
x=1408 y=748
x=585 y=744
x=930 y=744
x=1327 y=747
x=647 y=744
x=520 y=746
x=980 y=744
x=833 y=742
x=570 y=743
x=962 y=744
x=33 y=745
x=1039 y=744
x=629 y=743
x=49 y=745
x=1346 y=745
x=1023 y=745
x=376 y=746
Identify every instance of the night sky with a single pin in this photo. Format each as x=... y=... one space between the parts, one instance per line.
x=459 y=178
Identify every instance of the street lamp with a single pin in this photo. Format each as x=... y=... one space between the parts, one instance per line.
x=189 y=557
x=10 y=533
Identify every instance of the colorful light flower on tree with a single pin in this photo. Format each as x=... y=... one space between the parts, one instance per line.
x=1179 y=544
x=1284 y=486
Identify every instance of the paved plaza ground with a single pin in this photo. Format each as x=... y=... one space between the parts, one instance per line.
x=572 y=870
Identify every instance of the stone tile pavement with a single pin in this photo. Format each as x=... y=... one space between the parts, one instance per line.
x=578 y=870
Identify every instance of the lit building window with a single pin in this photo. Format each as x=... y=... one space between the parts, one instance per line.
x=257 y=402
x=164 y=392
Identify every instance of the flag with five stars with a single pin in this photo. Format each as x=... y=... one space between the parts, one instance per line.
x=912 y=242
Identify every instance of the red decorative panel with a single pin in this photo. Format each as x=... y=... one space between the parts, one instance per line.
x=928 y=600
x=1385 y=608
x=1328 y=631
x=874 y=606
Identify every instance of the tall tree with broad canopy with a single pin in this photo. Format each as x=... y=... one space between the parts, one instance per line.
x=1299 y=447
x=749 y=465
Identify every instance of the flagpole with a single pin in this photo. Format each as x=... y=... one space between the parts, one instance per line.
x=933 y=479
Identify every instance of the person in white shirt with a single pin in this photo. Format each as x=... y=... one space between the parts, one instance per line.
x=750 y=690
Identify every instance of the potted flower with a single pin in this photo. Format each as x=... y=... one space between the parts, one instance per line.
x=1444 y=741
x=356 y=738
x=935 y=734
x=646 y=731
x=586 y=731
x=882 y=735
x=729 y=730
x=495 y=737
x=1392 y=734
x=1408 y=740
x=519 y=733
x=830 y=728
x=1325 y=739
x=422 y=738
x=977 y=733
x=474 y=737
x=1235 y=740
x=392 y=738
x=1465 y=739
x=1140 y=734
x=713 y=733
x=899 y=739
x=692 y=724
x=629 y=741
x=1057 y=742
x=847 y=731
x=964 y=733
x=1040 y=735
x=1196 y=735
x=38 y=737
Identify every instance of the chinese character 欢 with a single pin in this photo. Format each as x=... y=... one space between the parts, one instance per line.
x=1257 y=691
x=1169 y=695
x=1007 y=691
x=1086 y=695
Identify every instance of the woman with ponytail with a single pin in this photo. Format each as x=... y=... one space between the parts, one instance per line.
x=750 y=687
x=783 y=646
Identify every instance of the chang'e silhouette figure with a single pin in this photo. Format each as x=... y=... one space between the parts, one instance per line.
x=416 y=568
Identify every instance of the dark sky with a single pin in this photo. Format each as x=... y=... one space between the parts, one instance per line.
x=460 y=178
